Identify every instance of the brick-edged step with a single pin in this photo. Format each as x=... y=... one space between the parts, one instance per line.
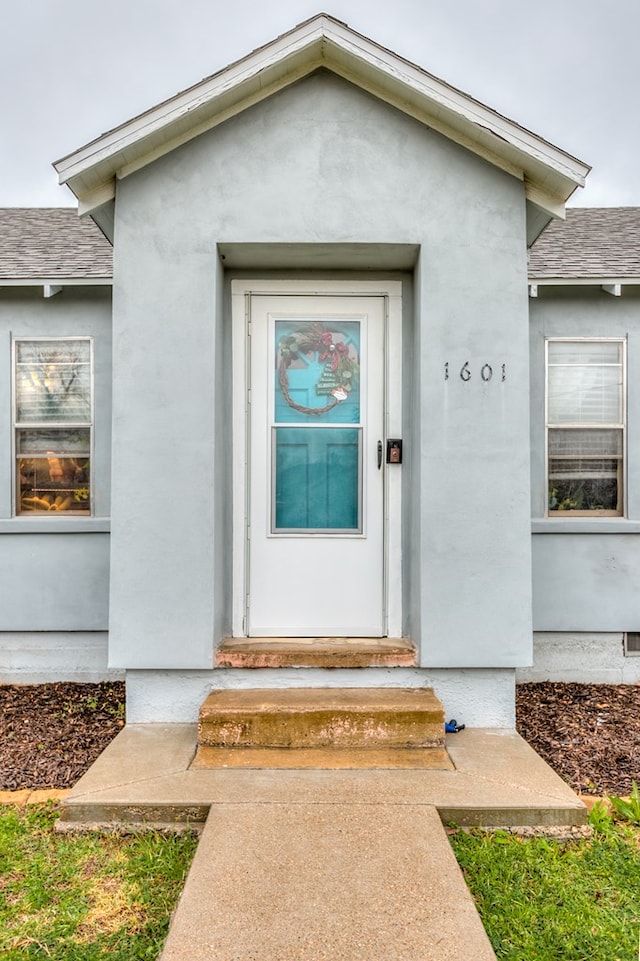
x=296 y=718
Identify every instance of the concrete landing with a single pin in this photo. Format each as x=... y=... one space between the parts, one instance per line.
x=145 y=777
x=321 y=865
x=325 y=882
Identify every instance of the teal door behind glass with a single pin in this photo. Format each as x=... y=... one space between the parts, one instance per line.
x=317 y=478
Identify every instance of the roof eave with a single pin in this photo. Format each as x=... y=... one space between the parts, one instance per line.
x=550 y=175
x=45 y=281
x=581 y=281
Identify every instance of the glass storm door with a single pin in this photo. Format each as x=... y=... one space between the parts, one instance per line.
x=316 y=488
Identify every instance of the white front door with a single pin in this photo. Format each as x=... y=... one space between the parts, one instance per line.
x=316 y=472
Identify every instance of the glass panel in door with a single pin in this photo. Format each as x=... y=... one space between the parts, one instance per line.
x=316 y=447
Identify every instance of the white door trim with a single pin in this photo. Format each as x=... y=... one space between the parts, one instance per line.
x=241 y=293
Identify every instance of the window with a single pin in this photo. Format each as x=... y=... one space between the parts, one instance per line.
x=632 y=644
x=53 y=418
x=585 y=427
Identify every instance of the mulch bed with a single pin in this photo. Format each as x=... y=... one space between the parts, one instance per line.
x=588 y=733
x=50 y=734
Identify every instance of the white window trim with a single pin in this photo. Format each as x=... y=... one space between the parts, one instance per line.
x=586 y=515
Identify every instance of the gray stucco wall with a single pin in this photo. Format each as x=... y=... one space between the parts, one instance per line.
x=321 y=162
x=44 y=657
x=54 y=582
x=585 y=572
x=54 y=571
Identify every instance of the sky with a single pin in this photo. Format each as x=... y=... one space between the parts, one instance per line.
x=72 y=69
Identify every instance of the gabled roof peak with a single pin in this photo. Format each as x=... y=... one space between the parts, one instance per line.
x=550 y=174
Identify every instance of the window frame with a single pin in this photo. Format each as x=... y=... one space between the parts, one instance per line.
x=621 y=512
x=17 y=425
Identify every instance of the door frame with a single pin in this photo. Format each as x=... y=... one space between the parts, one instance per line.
x=241 y=294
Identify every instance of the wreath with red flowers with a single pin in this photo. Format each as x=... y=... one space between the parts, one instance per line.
x=341 y=370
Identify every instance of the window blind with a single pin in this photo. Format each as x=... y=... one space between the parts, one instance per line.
x=53 y=382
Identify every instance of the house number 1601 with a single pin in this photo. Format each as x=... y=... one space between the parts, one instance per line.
x=486 y=372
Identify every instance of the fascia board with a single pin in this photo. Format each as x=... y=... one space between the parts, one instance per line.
x=583 y=281
x=96 y=198
x=324 y=42
x=256 y=66
x=224 y=112
x=552 y=201
x=141 y=144
x=455 y=103
x=543 y=186
x=56 y=281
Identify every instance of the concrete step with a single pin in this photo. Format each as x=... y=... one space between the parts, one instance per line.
x=354 y=718
x=331 y=652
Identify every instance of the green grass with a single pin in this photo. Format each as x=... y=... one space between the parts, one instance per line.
x=85 y=897
x=544 y=900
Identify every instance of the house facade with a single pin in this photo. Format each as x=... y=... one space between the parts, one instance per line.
x=585 y=324
x=322 y=396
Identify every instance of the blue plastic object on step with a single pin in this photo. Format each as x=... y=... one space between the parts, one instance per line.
x=452 y=726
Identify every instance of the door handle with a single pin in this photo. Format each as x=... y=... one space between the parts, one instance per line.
x=379 y=454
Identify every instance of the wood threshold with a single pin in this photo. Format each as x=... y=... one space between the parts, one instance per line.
x=330 y=652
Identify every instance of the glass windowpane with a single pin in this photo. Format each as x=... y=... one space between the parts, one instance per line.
x=317 y=371
x=53 y=464
x=584 y=486
x=53 y=470
x=53 y=381
x=47 y=441
x=316 y=479
x=585 y=385
x=583 y=394
x=585 y=352
x=585 y=443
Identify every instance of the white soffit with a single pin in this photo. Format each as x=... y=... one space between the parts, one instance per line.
x=550 y=175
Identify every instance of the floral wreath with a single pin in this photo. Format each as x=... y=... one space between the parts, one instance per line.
x=340 y=373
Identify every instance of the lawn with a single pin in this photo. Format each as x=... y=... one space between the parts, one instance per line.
x=85 y=897
x=82 y=898
x=544 y=900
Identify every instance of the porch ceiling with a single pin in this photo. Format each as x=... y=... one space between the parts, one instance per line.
x=367 y=257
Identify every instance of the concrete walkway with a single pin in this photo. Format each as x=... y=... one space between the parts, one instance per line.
x=337 y=882
x=322 y=865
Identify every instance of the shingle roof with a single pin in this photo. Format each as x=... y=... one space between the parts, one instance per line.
x=51 y=243
x=54 y=243
x=593 y=242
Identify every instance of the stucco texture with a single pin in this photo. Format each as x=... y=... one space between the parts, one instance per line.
x=586 y=572
x=54 y=571
x=322 y=162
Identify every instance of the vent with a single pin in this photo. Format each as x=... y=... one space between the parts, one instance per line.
x=632 y=644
